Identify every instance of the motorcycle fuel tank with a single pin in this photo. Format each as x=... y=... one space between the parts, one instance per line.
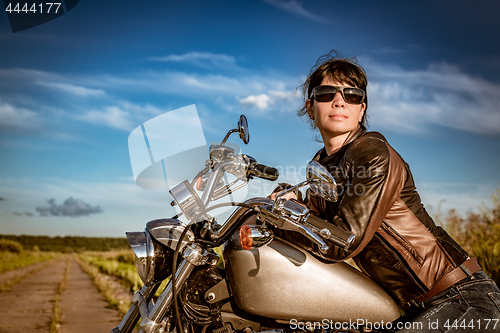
x=284 y=282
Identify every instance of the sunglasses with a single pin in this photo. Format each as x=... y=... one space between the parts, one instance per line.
x=327 y=94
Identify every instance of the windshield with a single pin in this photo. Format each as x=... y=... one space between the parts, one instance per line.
x=166 y=135
x=171 y=148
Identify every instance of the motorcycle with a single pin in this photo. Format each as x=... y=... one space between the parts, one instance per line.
x=267 y=283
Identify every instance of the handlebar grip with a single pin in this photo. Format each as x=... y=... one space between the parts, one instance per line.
x=264 y=171
x=336 y=235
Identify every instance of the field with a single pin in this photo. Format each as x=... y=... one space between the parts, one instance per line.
x=55 y=291
x=478 y=234
x=112 y=271
x=10 y=261
x=115 y=276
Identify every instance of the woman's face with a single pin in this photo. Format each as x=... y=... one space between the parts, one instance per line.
x=336 y=117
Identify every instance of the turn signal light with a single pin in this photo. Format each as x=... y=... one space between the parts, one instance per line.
x=254 y=236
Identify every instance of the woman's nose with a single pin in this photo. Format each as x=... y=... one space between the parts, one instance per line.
x=338 y=100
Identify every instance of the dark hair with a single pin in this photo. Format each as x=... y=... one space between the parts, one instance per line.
x=338 y=68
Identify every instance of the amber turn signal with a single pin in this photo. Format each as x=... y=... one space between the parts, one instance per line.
x=254 y=236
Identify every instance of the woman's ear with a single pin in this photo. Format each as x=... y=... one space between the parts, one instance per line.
x=363 y=108
x=309 y=108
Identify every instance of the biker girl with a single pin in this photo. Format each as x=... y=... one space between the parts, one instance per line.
x=397 y=243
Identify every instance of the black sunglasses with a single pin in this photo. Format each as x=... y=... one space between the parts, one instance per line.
x=327 y=93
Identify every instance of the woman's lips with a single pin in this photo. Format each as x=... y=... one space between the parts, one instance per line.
x=338 y=116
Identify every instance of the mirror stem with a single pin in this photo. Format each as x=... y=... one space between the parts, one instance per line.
x=227 y=136
x=299 y=185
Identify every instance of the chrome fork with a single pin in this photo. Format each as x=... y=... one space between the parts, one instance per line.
x=133 y=314
x=152 y=314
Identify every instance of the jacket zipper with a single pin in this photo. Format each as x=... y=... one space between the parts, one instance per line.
x=401 y=241
x=403 y=262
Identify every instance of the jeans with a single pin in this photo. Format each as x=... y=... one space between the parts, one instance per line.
x=471 y=305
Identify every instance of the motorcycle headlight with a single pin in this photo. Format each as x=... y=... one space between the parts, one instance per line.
x=154 y=248
x=153 y=260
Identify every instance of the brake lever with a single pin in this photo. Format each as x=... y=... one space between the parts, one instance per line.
x=280 y=222
x=311 y=235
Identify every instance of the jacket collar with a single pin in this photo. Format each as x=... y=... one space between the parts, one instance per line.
x=321 y=154
x=359 y=132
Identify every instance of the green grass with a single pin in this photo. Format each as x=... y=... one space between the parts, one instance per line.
x=56 y=322
x=478 y=234
x=9 y=245
x=68 y=244
x=103 y=285
x=114 y=264
x=118 y=264
x=10 y=260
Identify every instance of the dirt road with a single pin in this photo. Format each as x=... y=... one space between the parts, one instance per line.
x=29 y=305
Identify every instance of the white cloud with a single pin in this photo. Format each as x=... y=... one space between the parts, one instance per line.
x=29 y=192
x=123 y=115
x=410 y=101
x=125 y=206
x=147 y=109
x=261 y=101
x=25 y=74
x=70 y=207
x=71 y=84
x=405 y=100
x=112 y=116
x=401 y=100
x=203 y=88
x=285 y=95
x=283 y=100
x=72 y=89
x=229 y=88
x=295 y=7
x=16 y=118
x=201 y=59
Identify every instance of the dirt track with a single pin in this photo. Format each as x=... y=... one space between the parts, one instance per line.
x=29 y=305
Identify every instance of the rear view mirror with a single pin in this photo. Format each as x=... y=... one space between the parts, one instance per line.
x=321 y=181
x=243 y=129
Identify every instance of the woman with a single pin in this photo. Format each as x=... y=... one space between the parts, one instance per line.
x=397 y=243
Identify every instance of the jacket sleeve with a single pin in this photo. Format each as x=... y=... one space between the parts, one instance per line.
x=376 y=176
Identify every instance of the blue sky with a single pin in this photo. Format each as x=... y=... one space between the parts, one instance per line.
x=72 y=90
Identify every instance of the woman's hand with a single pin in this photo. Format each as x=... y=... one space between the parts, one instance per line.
x=281 y=188
x=288 y=196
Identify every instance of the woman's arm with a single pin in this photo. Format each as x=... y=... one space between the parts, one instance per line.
x=376 y=176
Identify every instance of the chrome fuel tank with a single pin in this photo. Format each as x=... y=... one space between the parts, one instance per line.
x=282 y=281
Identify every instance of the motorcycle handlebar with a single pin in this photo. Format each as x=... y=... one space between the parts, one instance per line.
x=336 y=235
x=263 y=171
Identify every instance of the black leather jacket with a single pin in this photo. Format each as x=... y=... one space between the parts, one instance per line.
x=397 y=243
